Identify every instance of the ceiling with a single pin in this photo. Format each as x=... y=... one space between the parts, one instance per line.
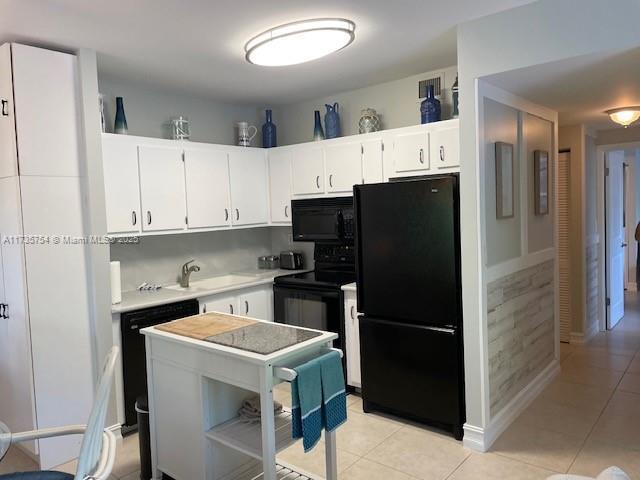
x=197 y=45
x=580 y=89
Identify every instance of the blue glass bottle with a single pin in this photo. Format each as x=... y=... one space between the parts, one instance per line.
x=318 y=133
x=430 y=110
x=120 y=125
x=269 y=138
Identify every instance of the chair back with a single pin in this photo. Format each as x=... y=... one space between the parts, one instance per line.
x=91 y=448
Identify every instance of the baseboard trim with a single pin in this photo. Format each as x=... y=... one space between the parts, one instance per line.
x=481 y=439
x=117 y=431
x=582 y=338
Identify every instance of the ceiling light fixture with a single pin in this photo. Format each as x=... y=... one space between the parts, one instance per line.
x=299 y=42
x=624 y=116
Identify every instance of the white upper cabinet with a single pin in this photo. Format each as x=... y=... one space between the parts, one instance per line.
x=248 y=175
x=372 y=161
x=8 y=157
x=343 y=163
x=411 y=151
x=162 y=190
x=207 y=184
x=46 y=81
x=307 y=170
x=445 y=147
x=121 y=185
x=280 y=185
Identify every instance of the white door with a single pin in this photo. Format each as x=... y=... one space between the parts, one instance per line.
x=411 y=152
x=207 y=184
x=121 y=184
x=615 y=237
x=280 y=185
x=220 y=303
x=249 y=198
x=8 y=158
x=162 y=188
x=307 y=170
x=444 y=147
x=372 y=166
x=256 y=304
x=343 y=164
x=353 y=341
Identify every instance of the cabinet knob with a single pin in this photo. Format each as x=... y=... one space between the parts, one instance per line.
x=286 y=211
x=226 y=215
x=421 y=159
x=331 y=180
x=442 y=153
x=134 y=218
x=353 y=317
x=148 y=217
x=231 y=309
x=237 y=214
x=5 y=108
x=204 y=309
x=246 y=307
x=318 y=181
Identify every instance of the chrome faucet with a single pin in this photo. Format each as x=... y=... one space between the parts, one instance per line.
x=186 y=273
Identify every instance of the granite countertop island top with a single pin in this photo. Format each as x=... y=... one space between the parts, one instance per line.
x=200 y=287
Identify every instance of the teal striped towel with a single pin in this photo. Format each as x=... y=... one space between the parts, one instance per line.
x=318 y=398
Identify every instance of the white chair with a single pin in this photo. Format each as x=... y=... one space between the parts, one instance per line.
x=611 y=473
x=98 y=449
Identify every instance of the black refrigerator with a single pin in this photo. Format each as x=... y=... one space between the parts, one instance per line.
x=409 y=294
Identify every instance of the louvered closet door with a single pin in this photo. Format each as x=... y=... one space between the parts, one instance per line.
x=563 y=245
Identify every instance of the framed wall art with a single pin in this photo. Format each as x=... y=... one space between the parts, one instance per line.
x=504 y=180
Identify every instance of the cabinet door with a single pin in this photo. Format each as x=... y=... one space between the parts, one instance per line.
x=219 y=303
x=307 y=170
x=256 y=304
x=162 y=188
x=352 y=331
x=343 y=163
x=445 y=147
x=121 y=184
x=207 y=184
x=8 y=157
x=411 y=152
x=45 y=88
x=249 y=199
x=280 y=185
x=372 y=166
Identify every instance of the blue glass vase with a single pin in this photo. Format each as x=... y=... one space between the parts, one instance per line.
x=430 y=110
x=269 y=138
x=318 y=133
x=120 y=125
x=332 y=121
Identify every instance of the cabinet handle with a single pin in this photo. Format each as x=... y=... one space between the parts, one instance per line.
x=148 y=217
x=5 y=108
x=442 y=153
x=134 y=218
x=246 y=307
x=286 y=213
x=331 y=180
x=226 y=215
x=204 y=309
x=237 y=214
x=422 y=156
x=231 y=309
x=352 y=315
x=318 y=181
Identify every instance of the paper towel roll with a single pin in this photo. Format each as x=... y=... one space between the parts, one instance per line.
x=116 y=287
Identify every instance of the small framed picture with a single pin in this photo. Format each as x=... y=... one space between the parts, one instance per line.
x=504 y=180
x=541 y=181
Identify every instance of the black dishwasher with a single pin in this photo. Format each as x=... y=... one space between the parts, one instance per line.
x=134 y=363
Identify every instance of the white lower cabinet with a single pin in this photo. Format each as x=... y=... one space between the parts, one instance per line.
x=255 y=302
x=352 y=339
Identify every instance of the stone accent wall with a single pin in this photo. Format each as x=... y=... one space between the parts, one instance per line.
x=521 y=330
x=592 y=287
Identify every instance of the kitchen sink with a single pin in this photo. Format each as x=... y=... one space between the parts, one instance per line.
x=214 y=283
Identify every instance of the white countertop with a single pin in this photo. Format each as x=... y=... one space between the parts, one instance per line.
x=349 y=287
x=135 y=299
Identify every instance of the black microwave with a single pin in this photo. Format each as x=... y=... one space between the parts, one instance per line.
x=323 y=219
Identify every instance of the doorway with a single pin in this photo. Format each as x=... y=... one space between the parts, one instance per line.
x=615 y=245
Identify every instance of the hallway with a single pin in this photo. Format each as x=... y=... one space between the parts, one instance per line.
x=589 y=417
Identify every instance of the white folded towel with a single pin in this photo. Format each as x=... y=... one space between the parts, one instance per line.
x=251 y=410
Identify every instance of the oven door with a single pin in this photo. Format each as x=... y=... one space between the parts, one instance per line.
x=310 y=308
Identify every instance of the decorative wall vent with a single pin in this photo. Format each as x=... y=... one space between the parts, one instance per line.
x=423 y=84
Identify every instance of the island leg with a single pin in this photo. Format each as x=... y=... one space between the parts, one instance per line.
x=268 y=424
x=331 y=466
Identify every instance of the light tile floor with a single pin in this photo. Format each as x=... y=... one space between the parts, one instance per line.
x=585 y=421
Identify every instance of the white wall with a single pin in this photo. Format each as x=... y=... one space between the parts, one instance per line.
x=149 y=109
x=396 y=102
